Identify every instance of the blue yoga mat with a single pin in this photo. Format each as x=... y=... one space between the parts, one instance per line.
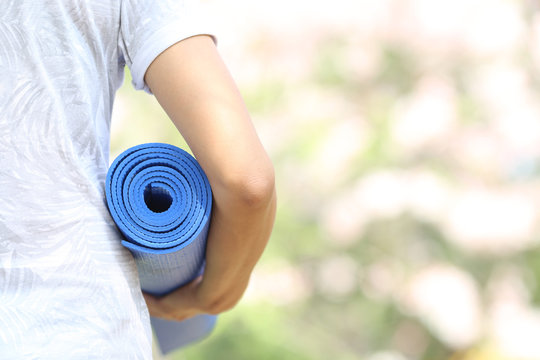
x=161 y=201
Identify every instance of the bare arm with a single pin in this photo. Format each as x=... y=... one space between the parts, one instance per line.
x=194 y=87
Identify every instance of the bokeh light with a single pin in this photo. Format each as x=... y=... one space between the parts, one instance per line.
x=406 y=140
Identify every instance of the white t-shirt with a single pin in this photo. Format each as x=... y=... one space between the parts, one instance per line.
x=68 y=289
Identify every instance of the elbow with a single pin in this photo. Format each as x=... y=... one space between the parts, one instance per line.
x=257 y=189
x=253 y=188
x=260 y=187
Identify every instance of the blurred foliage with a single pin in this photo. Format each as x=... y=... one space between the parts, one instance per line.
x=346 y=274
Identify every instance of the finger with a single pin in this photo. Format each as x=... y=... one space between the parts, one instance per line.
x=177 y=305
x=184 y=315
x=154 y=306
x=150 y=299
x=183 y=298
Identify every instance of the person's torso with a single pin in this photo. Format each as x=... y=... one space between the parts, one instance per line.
x=65 y=280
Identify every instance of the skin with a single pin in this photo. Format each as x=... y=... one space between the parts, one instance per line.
x=194 y=87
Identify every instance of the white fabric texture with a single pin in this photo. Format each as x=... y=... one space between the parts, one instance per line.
x=68 y=289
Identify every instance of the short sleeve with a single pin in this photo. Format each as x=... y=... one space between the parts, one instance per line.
x=148 y=27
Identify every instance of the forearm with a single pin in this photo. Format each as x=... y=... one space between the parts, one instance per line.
x=238 y=235
x=239 y=231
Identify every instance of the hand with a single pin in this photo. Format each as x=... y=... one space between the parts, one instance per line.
x=192 y=299
x=189 y=301
x=178 y=305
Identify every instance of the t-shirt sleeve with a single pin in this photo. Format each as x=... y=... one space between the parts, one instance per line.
x=148 y=27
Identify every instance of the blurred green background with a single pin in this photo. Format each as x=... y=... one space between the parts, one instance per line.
x=406 y=140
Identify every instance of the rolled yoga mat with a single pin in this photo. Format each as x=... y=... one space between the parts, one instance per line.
x=161 y=201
